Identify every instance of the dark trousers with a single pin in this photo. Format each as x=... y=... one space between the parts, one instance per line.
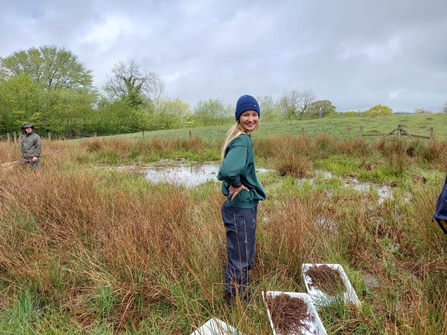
x=25 y=162
x=240 y=225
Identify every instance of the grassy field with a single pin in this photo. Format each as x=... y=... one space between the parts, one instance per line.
x=86 y=248
x=417 y=124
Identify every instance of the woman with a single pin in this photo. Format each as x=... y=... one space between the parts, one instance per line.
x=243 y=191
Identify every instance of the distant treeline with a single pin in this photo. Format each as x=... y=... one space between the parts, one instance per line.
x=50 y=88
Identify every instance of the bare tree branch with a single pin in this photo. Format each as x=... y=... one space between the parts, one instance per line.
x=294 y=103
x=128 y=79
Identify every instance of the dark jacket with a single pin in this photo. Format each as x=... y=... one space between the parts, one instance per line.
x=238 y=167
x=31 y=145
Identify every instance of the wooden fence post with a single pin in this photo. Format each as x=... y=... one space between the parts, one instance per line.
x=7 y=137
x=15 y=137
x=49 y=136
x=302 y=131
x=142 y=136
x=361 y=132
x=399 y=129
x=431 y=133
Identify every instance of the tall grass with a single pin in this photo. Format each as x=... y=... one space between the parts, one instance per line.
x=85 y=248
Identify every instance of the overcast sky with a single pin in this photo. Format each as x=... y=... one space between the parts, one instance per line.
x=355 y=53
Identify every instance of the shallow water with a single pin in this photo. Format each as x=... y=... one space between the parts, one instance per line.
x=192 y=175
x=383 y=191
x=188 y=175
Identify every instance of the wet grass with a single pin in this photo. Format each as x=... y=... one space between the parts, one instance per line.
x=347 y=128
x=91 y=250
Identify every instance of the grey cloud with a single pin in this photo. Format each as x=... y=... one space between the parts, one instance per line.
x=354 y=53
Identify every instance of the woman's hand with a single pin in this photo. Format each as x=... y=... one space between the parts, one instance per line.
x=234 y=191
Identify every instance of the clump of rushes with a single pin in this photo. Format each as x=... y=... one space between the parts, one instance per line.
x=294 y=166
x=292 y=156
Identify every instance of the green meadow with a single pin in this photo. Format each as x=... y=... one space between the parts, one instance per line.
x=88 y=245
x=342 y=127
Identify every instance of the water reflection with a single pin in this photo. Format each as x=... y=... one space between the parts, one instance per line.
x=383 y=191
x=182 y=174
x=192 y=175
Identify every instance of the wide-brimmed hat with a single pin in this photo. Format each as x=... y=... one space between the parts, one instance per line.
x=27 y=125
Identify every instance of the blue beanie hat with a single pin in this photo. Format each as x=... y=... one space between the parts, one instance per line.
x=245 y=103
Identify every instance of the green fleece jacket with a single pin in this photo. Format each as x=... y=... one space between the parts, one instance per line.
x=238 y=167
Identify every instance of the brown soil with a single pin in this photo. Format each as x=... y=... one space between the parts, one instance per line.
x=289 y=314
x=326 y=279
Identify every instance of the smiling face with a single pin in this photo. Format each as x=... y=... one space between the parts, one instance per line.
x=249 y=120
x=28 y=130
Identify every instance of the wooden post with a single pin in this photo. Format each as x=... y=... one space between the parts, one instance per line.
x=302 y=131
x=142 y=136
x=15 y=137
x=7 y=137
x=399 y=129
x=404 y=132
x=431 y=133
x=361 y=132
x=190 y=136
x=49 y=136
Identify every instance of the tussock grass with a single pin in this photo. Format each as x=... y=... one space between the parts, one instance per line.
x=85 y=248
x=115 y=151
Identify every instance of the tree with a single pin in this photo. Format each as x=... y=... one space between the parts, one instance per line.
x=132 y=85
x=50 y=67
x=47 y=86
x=170 y=114
x=16 y=97
x=421 y=111
x=334 y=114
x=351 y=114
x=69 y=114
x=319 y=109
x=294 y=104
x=210 y=112
x=379 y=110
x=270 y=111
x=173 y=107
x=117 y=117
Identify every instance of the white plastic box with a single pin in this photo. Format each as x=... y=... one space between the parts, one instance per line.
x=315 y=327
x=320 y=298
x=216 y=326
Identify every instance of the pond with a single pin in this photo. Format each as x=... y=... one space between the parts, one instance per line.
x=193 y=174
x=188 y=175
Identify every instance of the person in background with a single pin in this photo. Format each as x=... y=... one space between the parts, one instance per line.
x=31 y=146
x=243 y=192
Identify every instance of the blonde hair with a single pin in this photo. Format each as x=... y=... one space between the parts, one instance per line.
x=232 y=133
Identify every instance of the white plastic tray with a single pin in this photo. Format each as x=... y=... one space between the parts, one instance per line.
x=315 y=326
x=321 y=298
x=216 y=326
